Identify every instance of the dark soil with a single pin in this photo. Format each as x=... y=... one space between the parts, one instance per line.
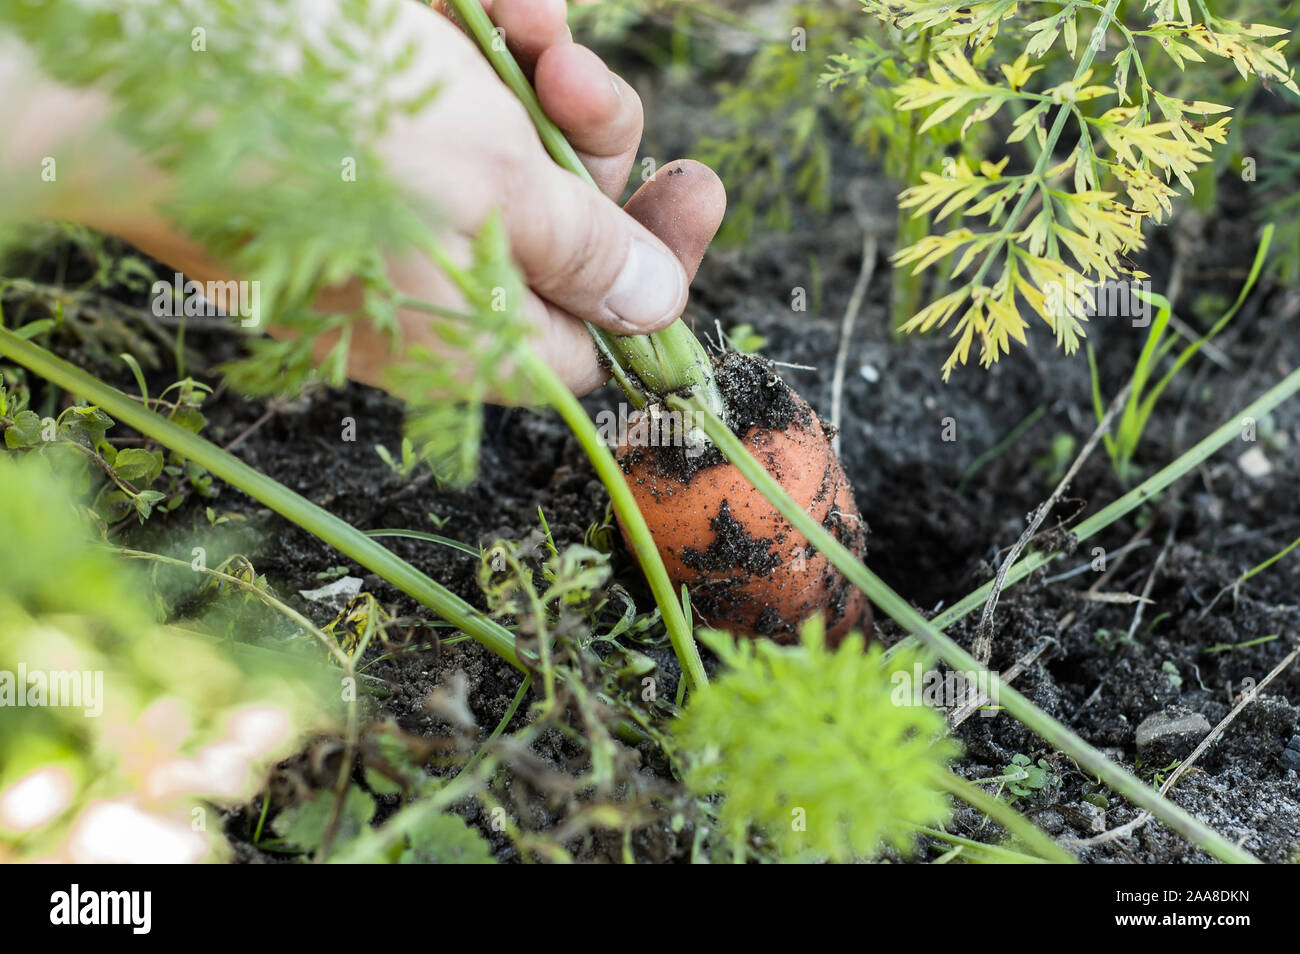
x=1188 y=652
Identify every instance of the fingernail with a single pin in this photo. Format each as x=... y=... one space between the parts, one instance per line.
x=649 y=290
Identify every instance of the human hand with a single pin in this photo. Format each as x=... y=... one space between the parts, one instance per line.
x=470 y=151
x=582 y=257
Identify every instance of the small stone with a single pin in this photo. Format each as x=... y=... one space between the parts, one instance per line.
x=1254 y=464
x=1170 y=735
x=1291 y=754
x=1050 y=821
x=869 y=373
x=1084 y=817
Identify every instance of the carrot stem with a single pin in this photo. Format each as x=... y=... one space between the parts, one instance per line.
x=643 y=366
x=321 y=523
x=630 y=516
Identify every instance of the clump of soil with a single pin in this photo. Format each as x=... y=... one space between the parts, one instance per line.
x=731 y=548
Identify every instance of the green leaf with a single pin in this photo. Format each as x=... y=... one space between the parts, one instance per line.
x=85 y=425
x=303 y=826
x=134 y=365
x=137 y=465
x=144 y=502
x=24 y=432
x=446 y=840
x=189 y=418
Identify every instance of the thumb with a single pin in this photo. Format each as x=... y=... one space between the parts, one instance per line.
x=582 y=253
x=683 y=203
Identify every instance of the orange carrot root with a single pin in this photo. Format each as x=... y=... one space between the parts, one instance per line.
x=747 y=569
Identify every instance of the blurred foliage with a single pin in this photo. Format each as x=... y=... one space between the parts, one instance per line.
x=205 y=121
x=64 y=286
x=125 y=479
x=772 y=146
x=1279 y=176
x=144 y=725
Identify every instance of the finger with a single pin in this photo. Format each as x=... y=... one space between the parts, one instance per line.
x=581 y=252
x=683 y=204
x=565 y=344
x=530 y=27
x=561 y=340
x=598 y=112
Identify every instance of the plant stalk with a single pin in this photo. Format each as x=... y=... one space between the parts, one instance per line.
x=337 y=533
x=1006 y=816
x=1142 y=493
x=633 y=522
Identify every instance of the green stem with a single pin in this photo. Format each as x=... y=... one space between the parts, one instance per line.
x=1045 y=155
x=633 y=522
x=1147 y=402
x=994 y=854
x=1260 y=568
x=1006 y=816
x=644 y=366
x=1144 y=492
x=317 y=521
x=269 y=599
x=1052 y=731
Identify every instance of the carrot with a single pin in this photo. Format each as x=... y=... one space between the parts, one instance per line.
x=746 y=568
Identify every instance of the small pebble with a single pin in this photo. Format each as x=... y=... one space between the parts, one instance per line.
x=1254 y=464
x=1291 y=754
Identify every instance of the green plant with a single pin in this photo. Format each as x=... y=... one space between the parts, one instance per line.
x=1142 y=397
x=407 y=465
x=128 y=479
x=773 y=143
x=865 y=76
x=125 y=724
x=1074 y=216
x=1025 y=777
x=809 y=746
x=745 y=339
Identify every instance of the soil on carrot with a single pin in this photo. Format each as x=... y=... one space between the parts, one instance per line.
x=1140 y=625
x=747 y=568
